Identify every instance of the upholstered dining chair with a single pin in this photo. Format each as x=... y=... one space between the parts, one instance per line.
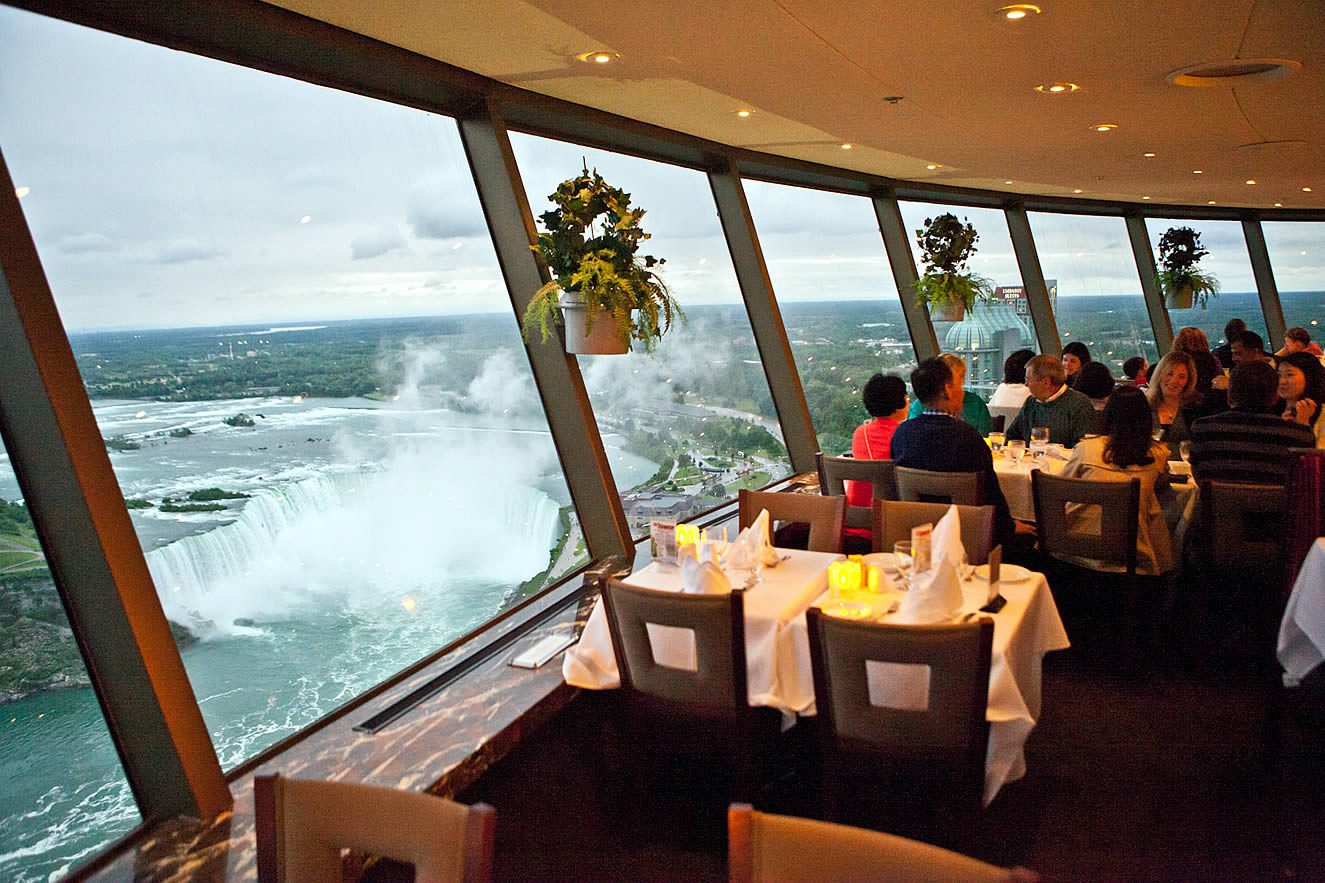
x=303 y=824
x=923 y=486
x=944 y=737
x=764 y=847
x=834 y=472
x=703 y=707
x=825 y=515
x=893 y=520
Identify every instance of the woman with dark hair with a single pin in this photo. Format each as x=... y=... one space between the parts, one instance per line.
x=1075 y=357
x=1302 y=387
x=885 y=400
x=1013 y=392
x=1126 y=450
x=1211 y=397
x=1095 y=382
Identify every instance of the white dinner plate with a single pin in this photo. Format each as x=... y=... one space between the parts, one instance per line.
x=848 y=610
x=1008 y=573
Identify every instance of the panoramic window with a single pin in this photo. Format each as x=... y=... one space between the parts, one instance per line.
x=1297 y=254
x=287 y=313
x=1095 y=289
x=1228 y=262
x=837 y=297
x=63 y=794
x=688 y=425
x=995 y=329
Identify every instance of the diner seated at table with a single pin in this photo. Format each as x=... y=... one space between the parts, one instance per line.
x=939 y=442
x=1096 y=383
x=1302 y=387
x=1012 y=392
x=1123 y=451
x=1298 y=340
x=1068 y=414
x=973 y=408
x=1224 y=352
x=1135 y=371
x=1172 y=396
x=1210 y=386
x=1076 y=355
x=1249 y=347
x=885 y=401
x=1249 y=442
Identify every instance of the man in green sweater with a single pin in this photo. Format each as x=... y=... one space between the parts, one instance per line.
x=974 y=410
x=1068 y=413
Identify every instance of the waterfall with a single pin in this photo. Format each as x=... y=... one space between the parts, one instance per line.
x=353 y=540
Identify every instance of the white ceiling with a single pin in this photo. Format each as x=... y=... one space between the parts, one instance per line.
x=816 y=74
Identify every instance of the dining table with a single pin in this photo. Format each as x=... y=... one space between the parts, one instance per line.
x=778 y=668
x=1301 y=645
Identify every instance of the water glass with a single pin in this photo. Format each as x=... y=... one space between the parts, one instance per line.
x=1185 y=451
x=905 y=562
x=1039 y=442
x=716 y=537
x=996 y=440
x=1014 y=450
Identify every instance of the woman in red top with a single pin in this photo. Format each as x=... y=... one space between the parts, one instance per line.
x=885 y=400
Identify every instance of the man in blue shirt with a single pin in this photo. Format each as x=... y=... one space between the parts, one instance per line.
x=938 y=441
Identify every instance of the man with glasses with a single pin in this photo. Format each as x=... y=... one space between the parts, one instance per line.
x=1069 y=415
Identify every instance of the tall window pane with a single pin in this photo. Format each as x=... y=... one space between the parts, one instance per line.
x=286 y=309
x=1297 y=254
x=63 y=794
x=1098 y=299
x=991 y=332
x=690 y=424
x=1228 y=260
x=837 y=296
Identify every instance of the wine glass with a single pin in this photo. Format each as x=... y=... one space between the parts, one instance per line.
x=717 y=541
x=996 y=440
x=1185 y=451
x=1039 y=442
x=905 y=563
x=1014 y=450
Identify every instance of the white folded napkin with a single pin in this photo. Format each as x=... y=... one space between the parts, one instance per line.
x=947 y=538
x=935 y=596
x=703 y=578
x=753 y=544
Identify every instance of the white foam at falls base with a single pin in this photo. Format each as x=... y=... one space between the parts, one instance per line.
x=356 y=540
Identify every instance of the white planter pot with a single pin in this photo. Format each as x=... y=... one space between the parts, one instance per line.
x=950 y=311
x=1180 y=299
x=604 y=340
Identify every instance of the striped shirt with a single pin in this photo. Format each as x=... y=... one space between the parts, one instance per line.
x=1242 y=446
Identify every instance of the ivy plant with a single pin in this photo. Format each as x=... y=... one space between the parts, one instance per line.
x=1180 y=253
x=590 y=242
x=946 y=244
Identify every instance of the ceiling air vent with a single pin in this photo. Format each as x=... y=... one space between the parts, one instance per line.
x=1234 y=72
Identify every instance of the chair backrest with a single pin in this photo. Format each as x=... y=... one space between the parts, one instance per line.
x=766 y=847
x=834 y=472
x=1006 y=412
x=1306 y=500
x=717 y=687
x=923 y=486
x=1244 y=524
x=999 y=422
x=956 y=657
x=1119 y=503
x=303 y=824
x=893 y=520
x=825 y=515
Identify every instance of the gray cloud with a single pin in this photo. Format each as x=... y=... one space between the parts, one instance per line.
x=436 y=211
x=184 y=251
x=376 y=243
x=86 y=243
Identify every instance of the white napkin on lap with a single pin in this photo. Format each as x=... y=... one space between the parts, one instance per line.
x=936 y=596
x=703 y=578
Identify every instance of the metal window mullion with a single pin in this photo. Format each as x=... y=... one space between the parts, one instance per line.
x=95 y=559
x=1144 y=256
x=1032 y=277
x=784 y=382
x=556 y=373
x=1263 y=270
x=903 y=264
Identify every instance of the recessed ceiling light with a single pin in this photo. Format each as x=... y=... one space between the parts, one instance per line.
x=1145 y=197
x=598 y=57
x=1233 y=73
x=846 y=146
x=1007 y=182
x=1211 y=202
x=1149 y=155
x=744 y=112
x=932 y=166
x=1197 y=172
x=1018 y=11
x=1251 y=180
x=306 y=219
x=1306 y=189
x=1278 y=205
x=1103 y=127
x=1078 y=190
x=22 y=191
x=1057 y=88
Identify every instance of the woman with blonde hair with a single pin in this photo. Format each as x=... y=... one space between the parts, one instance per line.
x=1171 y=394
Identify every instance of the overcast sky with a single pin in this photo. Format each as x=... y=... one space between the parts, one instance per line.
x=169 y=190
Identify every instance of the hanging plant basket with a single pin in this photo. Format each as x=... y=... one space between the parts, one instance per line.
x=1180 y=276
x=950 y=311
x=948 y=288
x=604 y=336
x=1180 y=298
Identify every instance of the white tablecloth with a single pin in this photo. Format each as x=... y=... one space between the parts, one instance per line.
x=1025 y=629
x=1302 y=632
x=778 y=650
